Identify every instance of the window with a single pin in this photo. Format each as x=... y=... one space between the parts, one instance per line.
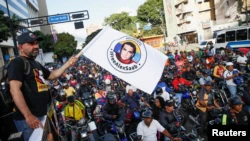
x=221 y=38
x=241 y=34
x=203 y=43
x=230 y=36
x=191 y=38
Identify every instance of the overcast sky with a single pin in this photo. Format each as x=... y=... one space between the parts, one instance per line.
x=98 y=10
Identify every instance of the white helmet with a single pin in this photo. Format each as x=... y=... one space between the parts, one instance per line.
x=90 y=76
x=80 y=72
x=107 y=81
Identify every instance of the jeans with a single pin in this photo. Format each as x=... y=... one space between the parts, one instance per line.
x=179 y=95
x=232 y=90
x=22 y=126
x=203 y=121
x=98 y=83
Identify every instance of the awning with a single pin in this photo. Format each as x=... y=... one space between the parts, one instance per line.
x=186 y=32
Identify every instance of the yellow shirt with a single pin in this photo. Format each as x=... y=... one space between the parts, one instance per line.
x=74 y=112
x=69 y=91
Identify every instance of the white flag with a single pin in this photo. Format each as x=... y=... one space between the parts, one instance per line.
x=127 y=58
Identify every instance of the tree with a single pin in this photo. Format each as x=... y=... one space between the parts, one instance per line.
x=118 y=21
x=5 y=26
x=151 y=12
x=66 y=45
x=47 y=43
x=91 y=36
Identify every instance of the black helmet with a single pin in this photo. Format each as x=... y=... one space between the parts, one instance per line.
x=159 y=91
x=205 y=72
x=147 y=114
x=71 y=98
x=208 y=83
x=111 y=97
x=236 y=100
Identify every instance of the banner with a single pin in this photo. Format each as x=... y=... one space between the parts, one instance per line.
x=127 y=58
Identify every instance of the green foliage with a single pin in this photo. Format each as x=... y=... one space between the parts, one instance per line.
x=5 y=26
x=118 y=21
x=47 y=43
x=151 y=11
x=91 y=36
x=66 y=45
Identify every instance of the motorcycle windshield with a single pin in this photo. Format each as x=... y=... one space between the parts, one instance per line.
x=86 y=95
x=119 y=123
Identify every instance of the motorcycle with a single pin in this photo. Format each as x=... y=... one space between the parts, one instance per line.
x=88 y=102
x=81 y=129
x=189 y=98
x=117 y=128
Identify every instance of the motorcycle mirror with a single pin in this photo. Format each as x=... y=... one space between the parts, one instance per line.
x=183 y=128
x=211 y=122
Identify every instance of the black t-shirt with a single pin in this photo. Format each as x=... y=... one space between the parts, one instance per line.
x=242 y=117
x=36 y=96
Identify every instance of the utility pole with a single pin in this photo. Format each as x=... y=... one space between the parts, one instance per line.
x=12 y=30
x=246 y=14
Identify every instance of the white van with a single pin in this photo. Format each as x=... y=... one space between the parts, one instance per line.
x=204 y=43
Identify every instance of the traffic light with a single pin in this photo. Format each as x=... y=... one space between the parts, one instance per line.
x=37 y=21
x=76 y=16
x=79 y=25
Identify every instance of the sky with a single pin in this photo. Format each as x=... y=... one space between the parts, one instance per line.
x=98 y=10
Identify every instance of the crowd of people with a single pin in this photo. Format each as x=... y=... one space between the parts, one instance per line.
x=162 y=112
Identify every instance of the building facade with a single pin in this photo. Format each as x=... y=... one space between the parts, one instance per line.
x=43 y=11
x=191 y=21
x=23 y=9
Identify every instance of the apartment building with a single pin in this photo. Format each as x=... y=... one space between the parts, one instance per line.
x=191 y=21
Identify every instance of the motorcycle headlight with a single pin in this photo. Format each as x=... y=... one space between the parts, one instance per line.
x=86 y=104
x=194 y=92
x=120 y=129
x=84 y=134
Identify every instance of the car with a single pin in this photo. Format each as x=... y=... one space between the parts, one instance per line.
x=204 y=43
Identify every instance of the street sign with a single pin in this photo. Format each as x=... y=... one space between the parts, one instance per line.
x=58 y=18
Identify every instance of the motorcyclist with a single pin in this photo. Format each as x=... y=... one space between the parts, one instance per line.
x=148 y=128
x=218 y=71
x=69 y=90
x=100 y=97
x=241 y=61
x=189 y=74
x=179 y=80
x=131 y=100
x=209 y=61
x=202 y=104
x=170 y=119
x=205 y=77
x=73 y=112
x=236 y=114
x=162 y=93
x=85 y=87
x=111 y=110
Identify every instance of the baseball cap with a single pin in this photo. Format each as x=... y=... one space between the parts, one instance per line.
x=169 y=103
x=229 y=64
x=28 y=37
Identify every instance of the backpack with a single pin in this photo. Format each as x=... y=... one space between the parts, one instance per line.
x=6 y=102
x=238 y=80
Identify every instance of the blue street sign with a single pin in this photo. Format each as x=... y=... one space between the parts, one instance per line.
x=58 y=18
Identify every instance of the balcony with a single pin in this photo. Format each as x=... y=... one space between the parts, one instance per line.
x=204 y=6
x=180 y=22
x=178 y=12
x=178 y=2
x=186 y=29
x=187 y=9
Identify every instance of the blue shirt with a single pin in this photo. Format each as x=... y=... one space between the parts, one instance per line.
x=162 y=84
x=133 y=101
